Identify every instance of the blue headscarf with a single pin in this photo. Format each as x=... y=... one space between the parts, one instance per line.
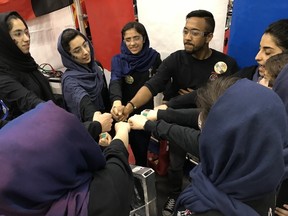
x=240 y=149
x=79 y=81
x=281 y=88
x=126 y=62
x=47 y=161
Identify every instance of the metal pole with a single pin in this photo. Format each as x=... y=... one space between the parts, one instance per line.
x=80 y=16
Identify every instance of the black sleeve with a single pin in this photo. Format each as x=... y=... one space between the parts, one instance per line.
x=94 y=128
x=2 y=123
x=112 y=188
x=13 y=91
x=282 y=197
x=234 y=68
x=183 y=101
x=247 y=72
x=115 y=90
x=183 y=117
x=163 y=76
x=87 y=109
x=156 y=65
x=185 y=137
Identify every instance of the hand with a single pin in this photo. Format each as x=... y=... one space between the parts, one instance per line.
x=117 y=110
x=122 y=125
x=282 y=211
x=105 y=139
x=185 y=91
x=122 y=129
x=161 y=107
x=150 y=114
x=126 y=112
x=104 y=119
x=137 y=122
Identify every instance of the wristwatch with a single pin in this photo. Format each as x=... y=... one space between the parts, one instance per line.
x=134 y=107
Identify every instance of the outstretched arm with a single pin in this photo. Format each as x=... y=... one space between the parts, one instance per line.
x=114 y=184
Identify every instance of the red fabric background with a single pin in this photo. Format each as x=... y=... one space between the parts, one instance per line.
x=106 y=19
x=23 y=7
x=39 y=8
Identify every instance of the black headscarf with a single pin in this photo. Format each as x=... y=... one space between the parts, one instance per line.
x=19 y=69
x=10 y=54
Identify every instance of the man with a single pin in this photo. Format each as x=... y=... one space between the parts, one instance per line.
x=188 y=69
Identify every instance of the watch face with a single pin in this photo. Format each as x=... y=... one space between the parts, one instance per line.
x=129 y=79
x=220 y=67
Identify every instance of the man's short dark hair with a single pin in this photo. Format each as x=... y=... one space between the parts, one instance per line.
x=208 y=16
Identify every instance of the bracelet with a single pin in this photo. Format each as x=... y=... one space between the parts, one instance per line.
x=134 y=107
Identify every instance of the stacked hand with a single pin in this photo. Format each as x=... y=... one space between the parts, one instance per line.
x=105 y=139
x=122 y=129
x=137 y=122
x=122 y=126
x=118 y=111
x=105 y=120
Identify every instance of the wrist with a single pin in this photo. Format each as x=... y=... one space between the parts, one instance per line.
x=132 y=105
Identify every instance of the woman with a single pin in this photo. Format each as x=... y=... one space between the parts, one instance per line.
x=276 y=77
x=53 y=167
x=273 y=41
x=22 y=85
x=227 y=180
x=130 y=69
x=83 y=82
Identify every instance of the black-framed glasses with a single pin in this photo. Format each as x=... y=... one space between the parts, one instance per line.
x=132 y=39
x=195 y=32
x=5 y=110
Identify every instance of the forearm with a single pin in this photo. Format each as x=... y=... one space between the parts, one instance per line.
x=115 y=90
x=87 y=109
x=115 y=183
x=183 y=117
x=185 y=137
x=141 y=98
x=122 y=135
x=183 y=101
x=31 y=103
x=94 y=129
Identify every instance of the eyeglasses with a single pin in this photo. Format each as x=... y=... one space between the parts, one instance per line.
x=194 y=32
x=20 y=33
x=133 y=39
x=5 y=110
x=79 y=50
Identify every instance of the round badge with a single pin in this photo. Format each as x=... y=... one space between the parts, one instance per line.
x=220 y=67
x=129 y=79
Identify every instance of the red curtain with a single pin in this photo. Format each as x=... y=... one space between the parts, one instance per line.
x=30 y=9
x=23 y=7
x=106 y=19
